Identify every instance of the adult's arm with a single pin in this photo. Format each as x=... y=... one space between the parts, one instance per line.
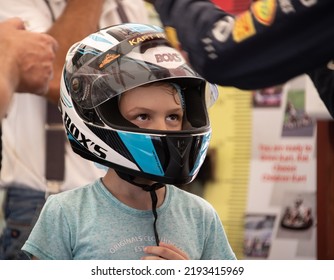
x=268 y=44
x=323 y=80
x=79 y=19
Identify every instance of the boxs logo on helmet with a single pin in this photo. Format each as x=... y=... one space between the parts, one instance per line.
x=168 y=57
x=82 y=139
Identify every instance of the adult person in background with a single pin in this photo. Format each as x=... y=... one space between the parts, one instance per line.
x=266 y=45
x=24 y=157
x=323 y=80
x=26 y=61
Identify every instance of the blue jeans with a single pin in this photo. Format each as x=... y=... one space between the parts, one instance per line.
x=21 y=210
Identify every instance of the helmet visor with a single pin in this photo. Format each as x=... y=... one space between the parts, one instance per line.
x=132 y=63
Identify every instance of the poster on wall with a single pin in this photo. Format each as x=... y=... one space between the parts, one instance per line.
x=280 y=220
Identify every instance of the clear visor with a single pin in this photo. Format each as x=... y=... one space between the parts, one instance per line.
x=211 y=94
x=130 y=64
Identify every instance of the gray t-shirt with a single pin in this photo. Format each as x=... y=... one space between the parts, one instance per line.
x=90 y=223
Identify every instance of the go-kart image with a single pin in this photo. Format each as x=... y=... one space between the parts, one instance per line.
x=297 y=217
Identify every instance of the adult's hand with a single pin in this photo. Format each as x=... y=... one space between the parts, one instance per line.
x=26 y=61
x=36 y=64
x=29 y=56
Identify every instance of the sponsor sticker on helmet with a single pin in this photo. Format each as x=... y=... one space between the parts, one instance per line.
x=108 y=59
x=244 y=27
x=264 y=11
x=146 y=37
x=168 y=57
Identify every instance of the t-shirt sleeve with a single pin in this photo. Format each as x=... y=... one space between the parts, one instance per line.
x=50 y=237
x=217 y=246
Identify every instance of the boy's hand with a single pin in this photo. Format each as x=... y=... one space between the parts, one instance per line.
x=164 y=252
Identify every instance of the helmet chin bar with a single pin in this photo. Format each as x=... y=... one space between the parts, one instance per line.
x=148 y=188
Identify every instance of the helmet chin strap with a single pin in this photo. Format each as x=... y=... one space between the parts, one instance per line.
x=149 y=188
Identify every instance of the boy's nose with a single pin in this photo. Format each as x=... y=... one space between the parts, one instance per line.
x=160 y=124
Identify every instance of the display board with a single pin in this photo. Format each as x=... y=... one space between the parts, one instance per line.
x=280 y=221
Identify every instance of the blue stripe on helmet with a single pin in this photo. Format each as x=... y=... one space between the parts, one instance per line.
x=143 y=152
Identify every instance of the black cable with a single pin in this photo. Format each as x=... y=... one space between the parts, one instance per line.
x=121 y=12
x=152 y=189
x=155 y=214
x=51 y=11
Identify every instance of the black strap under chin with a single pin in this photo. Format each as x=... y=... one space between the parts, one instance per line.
x=149 y=188
x=154 y=199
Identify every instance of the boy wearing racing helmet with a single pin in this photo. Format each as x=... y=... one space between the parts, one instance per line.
x=130 y=102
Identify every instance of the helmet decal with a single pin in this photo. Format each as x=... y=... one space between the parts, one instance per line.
x=143 y=152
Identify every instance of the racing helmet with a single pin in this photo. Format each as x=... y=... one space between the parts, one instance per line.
x=114 y=60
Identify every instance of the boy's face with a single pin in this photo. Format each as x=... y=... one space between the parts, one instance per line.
x=155 y=107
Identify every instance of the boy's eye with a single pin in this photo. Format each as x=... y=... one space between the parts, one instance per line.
x=142 y=117
x=174 y=117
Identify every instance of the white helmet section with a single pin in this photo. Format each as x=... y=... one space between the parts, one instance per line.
x=80 y=133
